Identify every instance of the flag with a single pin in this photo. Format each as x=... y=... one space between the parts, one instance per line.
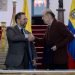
x=71 y=45
x=26 y=10
x=12 y=23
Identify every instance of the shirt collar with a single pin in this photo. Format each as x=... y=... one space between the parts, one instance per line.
x=19 y=27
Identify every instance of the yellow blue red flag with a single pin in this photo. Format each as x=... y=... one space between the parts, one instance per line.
x=71 y=26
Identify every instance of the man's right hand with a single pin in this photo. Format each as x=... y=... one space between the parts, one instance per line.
x=31 y=37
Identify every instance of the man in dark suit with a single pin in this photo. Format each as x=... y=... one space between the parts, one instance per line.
x=21 y=49
x=56 y=39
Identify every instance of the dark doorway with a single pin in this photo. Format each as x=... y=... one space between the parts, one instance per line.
x=37 y=20
x=37 y=9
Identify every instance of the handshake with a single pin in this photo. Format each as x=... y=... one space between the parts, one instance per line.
x=30 y=37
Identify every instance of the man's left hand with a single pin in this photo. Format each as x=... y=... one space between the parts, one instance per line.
x=34 y=62
x=54 y=48
x=31 y=37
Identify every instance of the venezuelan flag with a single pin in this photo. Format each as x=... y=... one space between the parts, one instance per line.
x=26 y=10
x=71 y=45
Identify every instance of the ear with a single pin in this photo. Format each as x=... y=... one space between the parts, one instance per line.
x=48 y=15
x=18 y=20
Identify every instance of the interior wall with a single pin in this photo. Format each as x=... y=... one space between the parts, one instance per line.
x=5 y=16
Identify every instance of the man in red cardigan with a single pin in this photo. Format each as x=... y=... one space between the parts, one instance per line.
x=56 y=38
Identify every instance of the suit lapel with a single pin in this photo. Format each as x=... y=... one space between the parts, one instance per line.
x=17 y=30
x=49 y=31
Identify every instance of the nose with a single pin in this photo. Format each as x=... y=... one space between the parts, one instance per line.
x=25 y=19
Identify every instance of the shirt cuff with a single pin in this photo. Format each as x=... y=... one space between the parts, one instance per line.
x=74 y=35
x=26 y=35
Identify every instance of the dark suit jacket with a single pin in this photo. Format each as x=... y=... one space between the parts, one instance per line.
x=18 y=47
x=58 y=35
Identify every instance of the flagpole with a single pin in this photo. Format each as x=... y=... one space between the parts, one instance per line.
x=60 y=11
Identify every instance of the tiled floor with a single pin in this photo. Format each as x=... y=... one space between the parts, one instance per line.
x=36 y=73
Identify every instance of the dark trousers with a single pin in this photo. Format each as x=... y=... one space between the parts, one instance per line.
x=23 y=65
x=19 y=67
x=48 y=60
x=57 y=67
x=14 y=67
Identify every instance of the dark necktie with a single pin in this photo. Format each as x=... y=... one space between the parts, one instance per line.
x=22 y=31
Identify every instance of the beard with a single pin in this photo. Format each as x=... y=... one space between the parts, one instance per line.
x=23 y=25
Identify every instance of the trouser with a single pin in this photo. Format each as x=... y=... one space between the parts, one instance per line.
x=58 y=66
x=24 y=65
